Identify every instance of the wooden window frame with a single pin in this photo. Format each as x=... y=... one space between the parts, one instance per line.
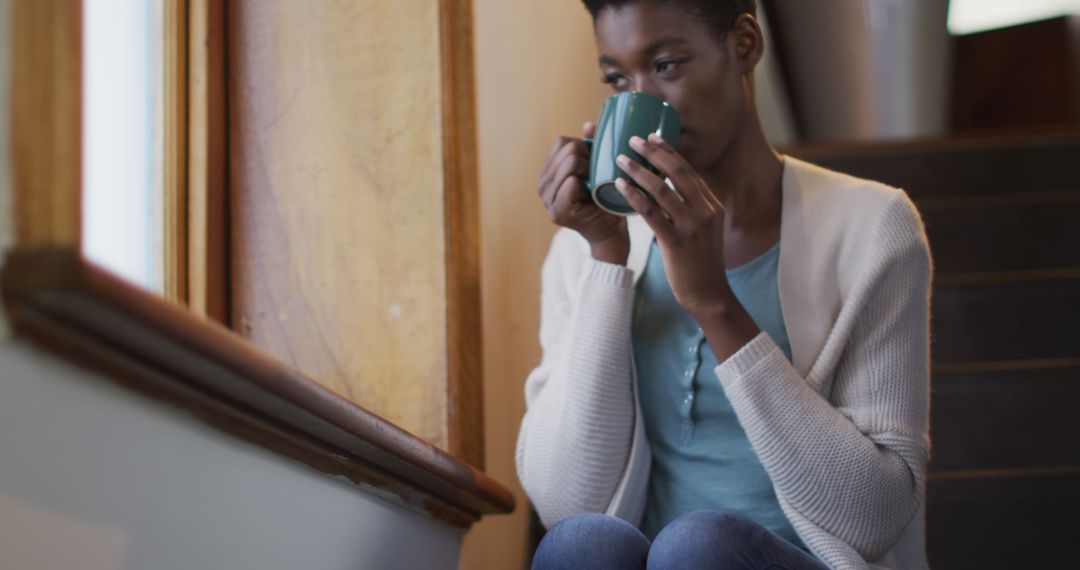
x=174 y=119
x=59 y=300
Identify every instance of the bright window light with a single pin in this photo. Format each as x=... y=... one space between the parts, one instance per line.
x=122 y=138
x=970 y=16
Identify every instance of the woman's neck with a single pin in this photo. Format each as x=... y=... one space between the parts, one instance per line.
x=747 y=178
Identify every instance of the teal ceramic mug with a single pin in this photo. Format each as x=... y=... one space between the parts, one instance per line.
x=625 y=115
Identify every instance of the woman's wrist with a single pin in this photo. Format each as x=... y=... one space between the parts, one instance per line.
x=614 y=250
x=727 y=326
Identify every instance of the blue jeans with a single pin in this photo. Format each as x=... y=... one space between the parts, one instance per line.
x=700 y=540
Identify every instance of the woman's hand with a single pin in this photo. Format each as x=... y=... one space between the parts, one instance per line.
x=689 y=226
x=562 y=188
x=688 y=222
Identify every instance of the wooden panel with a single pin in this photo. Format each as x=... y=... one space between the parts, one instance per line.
x=1020 y=76
x=462 y=203
x=68 y=304
x=1003 y=522
x=338 y=206
x=1006 y=417
x=1018 y=232
x=962 y=167
x=46 y=114
x=993 y=321
x=207 y=161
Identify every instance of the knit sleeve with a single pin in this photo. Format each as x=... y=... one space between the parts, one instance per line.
x=574 y=441
x=852 y=465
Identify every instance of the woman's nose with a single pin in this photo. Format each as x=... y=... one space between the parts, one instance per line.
x=645 y=84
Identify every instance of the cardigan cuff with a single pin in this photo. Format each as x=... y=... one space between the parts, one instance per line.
x=746 y=358
x=603 y=273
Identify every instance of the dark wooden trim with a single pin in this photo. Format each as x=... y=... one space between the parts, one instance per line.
x=965 y=166
x=65 y=303
x=1000 y=277
x=1018 y=200
x=968 y=141
x=208 y=152
x=1010 y=472
x=175 y=128
x=1003 y=366
x=462 y=206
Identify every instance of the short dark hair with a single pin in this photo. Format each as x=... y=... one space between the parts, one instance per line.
x=718 y=15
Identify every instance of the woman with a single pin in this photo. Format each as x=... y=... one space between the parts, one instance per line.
x=739 y=376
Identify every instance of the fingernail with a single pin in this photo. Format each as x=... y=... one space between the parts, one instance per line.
x=622 y=160
x=656 y=138
x=620 y=185
x=636 y=141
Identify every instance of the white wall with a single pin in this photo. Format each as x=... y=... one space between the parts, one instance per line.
x=95 y=477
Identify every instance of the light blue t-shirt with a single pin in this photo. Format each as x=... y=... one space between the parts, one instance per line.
x=701 y=457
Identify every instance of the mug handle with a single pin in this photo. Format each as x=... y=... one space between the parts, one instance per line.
x=585 y=179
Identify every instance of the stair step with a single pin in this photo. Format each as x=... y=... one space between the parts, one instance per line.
x=1008 y=319
x=979 y=166
x=1006 y=416
x=1018 y=233
x=1003 y=522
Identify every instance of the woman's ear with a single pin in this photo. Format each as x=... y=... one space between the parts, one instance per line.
x=749 y=42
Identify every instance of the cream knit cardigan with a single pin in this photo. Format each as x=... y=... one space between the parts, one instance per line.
x=843 y=431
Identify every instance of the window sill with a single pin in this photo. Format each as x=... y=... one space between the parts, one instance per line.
x=66 y=304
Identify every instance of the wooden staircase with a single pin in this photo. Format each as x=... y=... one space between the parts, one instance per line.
x=1003 y=219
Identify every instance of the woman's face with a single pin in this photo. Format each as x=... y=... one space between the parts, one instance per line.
x=660 y=49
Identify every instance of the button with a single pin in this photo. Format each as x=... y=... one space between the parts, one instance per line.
x=688 y=373
x=689 y=398
x=693 y=349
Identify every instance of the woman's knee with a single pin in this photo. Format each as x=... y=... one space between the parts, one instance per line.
x=592 y=540
x=714 y=537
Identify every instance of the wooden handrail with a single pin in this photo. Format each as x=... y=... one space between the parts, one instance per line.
x=63 y=302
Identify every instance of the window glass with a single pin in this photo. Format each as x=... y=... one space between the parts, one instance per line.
x=122 y=138
x=970 y=16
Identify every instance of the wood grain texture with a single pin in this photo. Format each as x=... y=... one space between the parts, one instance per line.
x=174 y=122
x=66 y=303
x=207 y=161
x=46 y=115
x=462 y=203
x=339 y=253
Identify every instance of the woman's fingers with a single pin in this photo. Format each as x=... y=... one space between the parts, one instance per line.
x=560 y=148
x=649 y=210
x=669 y=200
x=550 y=177
x=571 y=168
x=671 y=164
x=588 y=130
x=569 y=193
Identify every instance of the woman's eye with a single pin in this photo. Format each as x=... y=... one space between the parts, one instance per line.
x=617 y=81
x=665 y=65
